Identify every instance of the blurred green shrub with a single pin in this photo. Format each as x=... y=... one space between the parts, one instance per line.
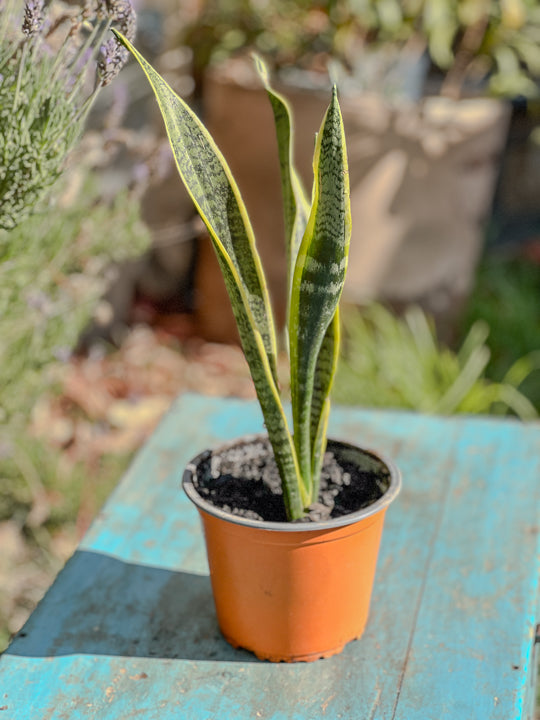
x=49 y=291
x=465 y=39
x=393 y=362
x=506 y=296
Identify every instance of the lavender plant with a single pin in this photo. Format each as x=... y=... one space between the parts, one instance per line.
x=53 y=62
x=317 y=236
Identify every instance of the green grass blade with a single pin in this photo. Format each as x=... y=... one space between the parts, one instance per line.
x=522 y=368
x=471 y=373
x=295 y=202
x=319 y=275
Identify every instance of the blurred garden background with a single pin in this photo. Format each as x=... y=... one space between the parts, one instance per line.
x=110 y=300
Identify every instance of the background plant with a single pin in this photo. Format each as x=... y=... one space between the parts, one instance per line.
x=49 y=291
x=465 y=40
x=394 y=362
x=47 y=294
x=506 y=298
x=53 y=62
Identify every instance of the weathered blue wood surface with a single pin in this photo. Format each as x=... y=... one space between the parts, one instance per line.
x=128 y=629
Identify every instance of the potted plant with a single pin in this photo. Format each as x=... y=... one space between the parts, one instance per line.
x=292 y=523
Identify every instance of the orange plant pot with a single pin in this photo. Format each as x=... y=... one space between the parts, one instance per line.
x=288 y=591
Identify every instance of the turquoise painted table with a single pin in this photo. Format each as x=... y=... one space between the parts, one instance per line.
x=128 y=628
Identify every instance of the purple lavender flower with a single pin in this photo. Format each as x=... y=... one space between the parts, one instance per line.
x=33 y=17
x=111 y=59
x=122 y=14
x=113 y=56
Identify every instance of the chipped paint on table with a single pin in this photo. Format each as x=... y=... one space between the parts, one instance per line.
x=128 y=628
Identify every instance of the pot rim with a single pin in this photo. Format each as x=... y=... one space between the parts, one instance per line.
x=342 y=521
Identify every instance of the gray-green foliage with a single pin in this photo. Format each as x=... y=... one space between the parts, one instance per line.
x=48 y=81
x=48 y=292
x=317 y=267
x=37 y=130
x=393 y=362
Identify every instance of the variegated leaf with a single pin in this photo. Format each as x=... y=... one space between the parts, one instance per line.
x=319 y=275
x=296 y=210
x=295 y=203
x=210 y=183
x=215 y=194
x=325 y=371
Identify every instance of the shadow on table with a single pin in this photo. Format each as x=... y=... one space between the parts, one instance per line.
x=100 y=605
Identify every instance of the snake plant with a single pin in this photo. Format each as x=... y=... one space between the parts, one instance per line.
x=317 y=237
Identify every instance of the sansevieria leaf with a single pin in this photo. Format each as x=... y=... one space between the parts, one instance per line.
x=209 y=181
x=296 y=212
x=317 y=240
x=295 y=203
x=318 y=279
x=213 y=189
x=325 y=371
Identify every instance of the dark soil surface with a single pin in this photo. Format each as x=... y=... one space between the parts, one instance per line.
x=244 y=480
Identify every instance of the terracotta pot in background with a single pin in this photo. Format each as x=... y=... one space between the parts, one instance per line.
x=289 y=591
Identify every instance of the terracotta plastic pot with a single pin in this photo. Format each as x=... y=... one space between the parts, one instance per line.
x=289 y=591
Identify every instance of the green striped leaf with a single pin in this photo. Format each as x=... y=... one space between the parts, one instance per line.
x=295 y=202
x=296 y=211
x=325 y=371
x=319 y=276
x=209 y=181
